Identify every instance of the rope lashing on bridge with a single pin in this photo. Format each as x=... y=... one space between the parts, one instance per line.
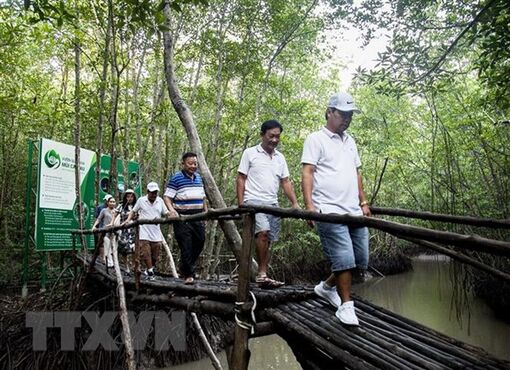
x=308 y=323
x=239 y=310
x=385 y=341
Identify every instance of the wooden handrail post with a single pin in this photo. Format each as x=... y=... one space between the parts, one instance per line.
x=241 y=352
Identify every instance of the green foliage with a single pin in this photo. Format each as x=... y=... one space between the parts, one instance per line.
x=442 y=130
x=493 y=52
x=435 y=41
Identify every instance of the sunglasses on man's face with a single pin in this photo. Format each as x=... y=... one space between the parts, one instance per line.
x=344 y=115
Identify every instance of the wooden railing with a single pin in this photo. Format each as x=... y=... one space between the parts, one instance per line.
x=419 y=235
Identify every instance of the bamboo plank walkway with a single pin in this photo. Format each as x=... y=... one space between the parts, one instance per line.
x=383 y=340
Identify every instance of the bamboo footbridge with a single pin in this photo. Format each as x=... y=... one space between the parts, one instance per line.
x=383 y=340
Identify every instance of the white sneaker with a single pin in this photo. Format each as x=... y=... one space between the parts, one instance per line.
x=328 y=293
x=346 y=314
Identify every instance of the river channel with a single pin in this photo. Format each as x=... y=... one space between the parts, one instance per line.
x=424 y=295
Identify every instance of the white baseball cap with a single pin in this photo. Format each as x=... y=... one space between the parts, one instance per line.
x=107 y=197
x=152 y=186
x=343 y=102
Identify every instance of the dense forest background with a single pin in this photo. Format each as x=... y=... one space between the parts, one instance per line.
x=433 y=134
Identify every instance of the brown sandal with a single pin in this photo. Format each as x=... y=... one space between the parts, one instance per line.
x=264 y=282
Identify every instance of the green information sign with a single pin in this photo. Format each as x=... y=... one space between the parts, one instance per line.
x=56 y=212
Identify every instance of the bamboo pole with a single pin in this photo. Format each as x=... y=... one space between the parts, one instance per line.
x=128 y=343
x=355 y=340
x=347 y=339
x=241 y=353
x=264 y=298
x=377 y=322
x=171 y=261
x=422 y=215
x=215 y=362
x=385 y=319
x=434 y=349
x=471 y=242
x=220 y=214
x=296 y=330
x=205 y=306
x=223 y=292
x=214 y=359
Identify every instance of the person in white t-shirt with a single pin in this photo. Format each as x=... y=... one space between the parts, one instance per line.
x=150 y=239
x=262 y=171
x=331 y=183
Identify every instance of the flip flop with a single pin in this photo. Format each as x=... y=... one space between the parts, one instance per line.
x=189 y=281
x=267 y=283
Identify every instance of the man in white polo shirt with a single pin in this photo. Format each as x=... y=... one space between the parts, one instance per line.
x=149 y=207
x=331 y=183
x=262 y=171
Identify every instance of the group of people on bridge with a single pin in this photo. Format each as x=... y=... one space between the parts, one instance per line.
x=330 y=181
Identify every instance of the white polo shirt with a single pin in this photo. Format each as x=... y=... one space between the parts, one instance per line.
x=264 y=173
x=335 y=180
x=149 y=211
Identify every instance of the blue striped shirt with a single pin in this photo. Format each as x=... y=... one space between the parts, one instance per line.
x=187 y=193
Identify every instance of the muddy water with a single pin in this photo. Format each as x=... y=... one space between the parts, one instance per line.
x=423 y=295
x=269 y=352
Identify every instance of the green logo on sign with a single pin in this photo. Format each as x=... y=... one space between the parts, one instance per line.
x=52 y=159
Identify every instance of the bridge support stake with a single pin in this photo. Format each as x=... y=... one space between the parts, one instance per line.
x=128 y=341
x=241 y=353
x=214 y=359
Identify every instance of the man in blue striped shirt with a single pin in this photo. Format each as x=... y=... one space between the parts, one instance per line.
x=185 y=193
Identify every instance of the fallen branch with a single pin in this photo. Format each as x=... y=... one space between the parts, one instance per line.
x=204 y=306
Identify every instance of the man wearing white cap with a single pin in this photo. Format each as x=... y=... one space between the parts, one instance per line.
x=331 y=183
x=149 y=207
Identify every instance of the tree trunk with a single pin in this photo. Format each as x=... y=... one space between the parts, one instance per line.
x=221 y=87
x=102 y=98
x=113 y=177
x=136 y=109
x=77 y=132
x=208 y=249
x=186 y=118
